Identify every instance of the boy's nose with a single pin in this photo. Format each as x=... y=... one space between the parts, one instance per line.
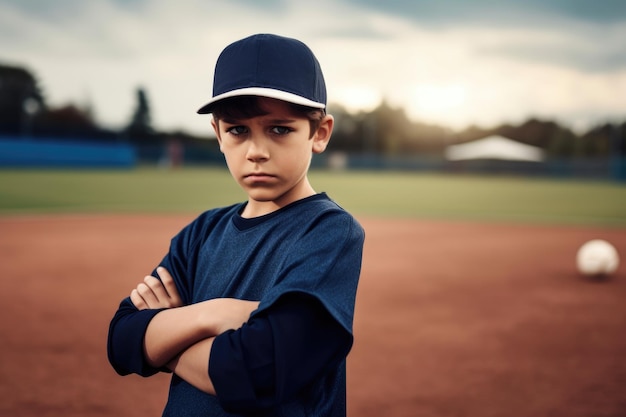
x=257 y=151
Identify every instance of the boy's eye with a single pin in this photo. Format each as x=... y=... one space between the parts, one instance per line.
x=281 y=130
x=237 y=130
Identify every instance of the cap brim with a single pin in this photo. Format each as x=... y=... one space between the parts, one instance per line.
x=261 y=92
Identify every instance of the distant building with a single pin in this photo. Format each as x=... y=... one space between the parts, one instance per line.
x=494 y=147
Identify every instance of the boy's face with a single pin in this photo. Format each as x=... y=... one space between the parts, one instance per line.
x=269 y=155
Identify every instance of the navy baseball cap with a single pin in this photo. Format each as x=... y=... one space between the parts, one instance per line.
x=268 y=66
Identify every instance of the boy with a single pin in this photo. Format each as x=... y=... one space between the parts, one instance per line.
x=253 y=305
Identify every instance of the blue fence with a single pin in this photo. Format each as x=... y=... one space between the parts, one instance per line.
x=610 y=168
x=29 y=153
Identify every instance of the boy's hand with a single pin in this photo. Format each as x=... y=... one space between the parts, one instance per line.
x=154 y=293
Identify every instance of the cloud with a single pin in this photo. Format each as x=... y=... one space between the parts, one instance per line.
x=510 y=13
x=448 y=62
x=573 y=33
x=583 y=54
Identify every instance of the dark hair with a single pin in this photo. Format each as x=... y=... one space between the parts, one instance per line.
x=247 y=107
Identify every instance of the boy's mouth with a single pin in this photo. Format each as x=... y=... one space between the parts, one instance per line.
x=258 y=177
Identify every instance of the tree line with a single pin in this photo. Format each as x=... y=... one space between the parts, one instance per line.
x=24 y=112
x=387 y=130
x=384 y=130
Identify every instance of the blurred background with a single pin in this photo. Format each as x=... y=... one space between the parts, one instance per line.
x=537 y=87
x=470 y=278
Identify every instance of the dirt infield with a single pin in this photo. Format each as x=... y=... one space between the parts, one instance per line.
x=453 y=319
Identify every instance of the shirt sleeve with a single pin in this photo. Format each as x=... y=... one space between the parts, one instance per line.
x=125 y=344
x=277 y=354
x=324 y=262
x=125 y=348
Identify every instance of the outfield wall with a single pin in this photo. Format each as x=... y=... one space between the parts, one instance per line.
x=49 y=153
x=29 y=153
x=594 y=168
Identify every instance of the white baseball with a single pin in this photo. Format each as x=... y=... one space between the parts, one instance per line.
x=597 y=257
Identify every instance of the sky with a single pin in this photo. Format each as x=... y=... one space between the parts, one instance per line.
x=454 y=63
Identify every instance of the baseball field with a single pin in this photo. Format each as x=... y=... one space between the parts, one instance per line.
x=469 y=302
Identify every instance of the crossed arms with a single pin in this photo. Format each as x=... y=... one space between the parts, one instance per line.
x=180 y=337
x=250 y=362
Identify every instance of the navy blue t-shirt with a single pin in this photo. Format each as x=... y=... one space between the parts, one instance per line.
x=302 y=263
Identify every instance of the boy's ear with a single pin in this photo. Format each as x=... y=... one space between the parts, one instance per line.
x=322 y=136
x=216 y=128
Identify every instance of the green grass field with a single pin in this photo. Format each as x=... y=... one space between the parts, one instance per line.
x=385 y=194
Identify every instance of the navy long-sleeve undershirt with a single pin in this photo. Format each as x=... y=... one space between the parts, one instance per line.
x=275 y=356
x=268 y=361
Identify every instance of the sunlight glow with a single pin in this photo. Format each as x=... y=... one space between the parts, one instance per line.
x=357 y=98
x=437 y=101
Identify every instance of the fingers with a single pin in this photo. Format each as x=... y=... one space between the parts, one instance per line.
x=156 y=293
x=157 y=296
x=137 y=300
x=155 y=287
x=170 y=286
x=148 y=294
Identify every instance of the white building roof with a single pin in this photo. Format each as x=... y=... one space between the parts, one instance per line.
x=494 y=147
